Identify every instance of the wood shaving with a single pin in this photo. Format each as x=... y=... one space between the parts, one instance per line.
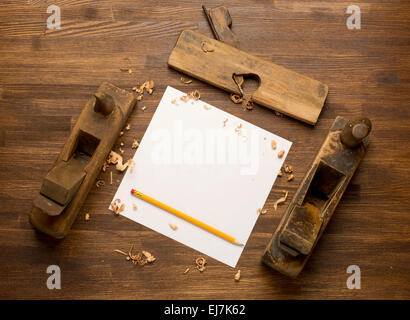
x=249 y=105
x=122 y=144
x=128 y=127
x=129 y=70
x=173 y=226
x=258 y=210
x=135 y=144
x=186 y=271
x=186 y=81
x=184 y=98
x=121 y=133
x=273 y=144
x=196 y=95
x=134 y=207
x=139 y=98
x=117 y=206
x=110 y=177
x=206 y=107
x=238 y=128
x=200 y=264
x=141 y=258
x=115 y=158
x=280 y=200
x=290 y=177
x=100 y=183
x=148 y=256
x=264 y=211
x=131 y=164
x=105 y=166
x=225 y=121
x=288 y=169
x=280 y=173
x=206 y=48
x=121 y=151
x=174 y=101
x=237 y=276
x=87 y=217
x=236 y=98
x=143 y=108
x=281 y=153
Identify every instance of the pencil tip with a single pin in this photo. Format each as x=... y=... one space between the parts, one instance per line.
x=238 y=243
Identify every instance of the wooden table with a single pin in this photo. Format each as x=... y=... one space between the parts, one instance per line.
x=46 y=76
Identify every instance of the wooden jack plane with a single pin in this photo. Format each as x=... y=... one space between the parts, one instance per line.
x=72 y=176
x=221 y=63
x=318 y=196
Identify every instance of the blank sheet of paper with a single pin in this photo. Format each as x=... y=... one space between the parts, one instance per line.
x=208 y=164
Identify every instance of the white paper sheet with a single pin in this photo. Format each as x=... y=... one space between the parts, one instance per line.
x=208 y=164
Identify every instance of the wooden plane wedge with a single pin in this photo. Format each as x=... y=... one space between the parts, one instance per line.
x=218 y=64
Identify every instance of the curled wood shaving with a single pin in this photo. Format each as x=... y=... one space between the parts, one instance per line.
x=139 y=98
x=280 y=173
x=117 y=206
x=238 y=128
x=114 y=158
x=174 y=101
x=288 y=169
x=87 y=217
x=135 y=144
x=237 y=276
x=280 y=200
x=121 y=133
x=236 y=98
x=273 y=144
x=184 y=98
x=105 y=166
x=225 y=121
x=206 y=48
x=100 y=183
x=143 y=108
x=264 y=211
x=148 y=256
x=141 y=258
x=186 y=271
x=129 y=70
x=196 y=95
x=128 y=127
x=249 y=105
x=173 y=226
x=186 y=81
x=290 y=177
x=281 y=153
x=258 y=210
x=200 y=264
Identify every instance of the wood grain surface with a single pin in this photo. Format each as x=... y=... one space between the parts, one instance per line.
x=46 y=76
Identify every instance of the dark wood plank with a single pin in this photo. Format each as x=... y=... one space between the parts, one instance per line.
x=47 y=76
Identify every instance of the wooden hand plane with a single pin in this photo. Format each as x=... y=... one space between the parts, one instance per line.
x=318 y=195
x=85 y=151
x=222 y=64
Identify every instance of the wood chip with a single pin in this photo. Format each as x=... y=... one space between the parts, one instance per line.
x=196 y=95
x=143 y=108
x=237 y=276
x=140 y=258
x=134 y=207
x=258 y=210
x=186 y=81
x=128 y=127
x=117 y=206
x=280 y=173
x=281 y=153
x=135 y=144
x=225 y=121
x=280 y=200
x=100 y=183
x=273 y=144
x=236 y=98
x=105 y=166
x=121 y=133
x=264 y=211
x=149 y=256
x=288 y=169
x=174 y=101
x=110 y=177
x=249 y=105
x=206 y=107
x=173 y=226
x=87 y=217
x=206 y=47
x=200 y=264
x=115 y=158
x=186 y=271
x=290 y=177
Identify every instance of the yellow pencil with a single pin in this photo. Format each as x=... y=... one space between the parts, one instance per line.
x=185 y=217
